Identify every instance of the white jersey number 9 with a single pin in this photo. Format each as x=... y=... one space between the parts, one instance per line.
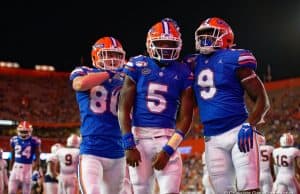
x=206 y=81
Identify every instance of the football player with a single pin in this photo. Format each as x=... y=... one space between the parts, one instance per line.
x=285 y=162
x=266 y=176
x=102 y=162
x=3 y=173
x=24 y=148
x=156 y=87
x=51 y=181
x=68 y=159
x=222 y=76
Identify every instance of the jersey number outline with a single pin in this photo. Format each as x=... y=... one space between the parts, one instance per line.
x=99 y=100
x=206 y=81
x=282 y=160
x=264 y=155
x=68 y=160
x=19 y=153
x=156 y=102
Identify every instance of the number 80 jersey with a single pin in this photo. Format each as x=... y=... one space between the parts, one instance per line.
x=24 y=148
x=98 y=106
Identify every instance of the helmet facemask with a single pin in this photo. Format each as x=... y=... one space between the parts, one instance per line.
x=164 y=50
x=209 y=39
x=110 y=59
x=24 y=130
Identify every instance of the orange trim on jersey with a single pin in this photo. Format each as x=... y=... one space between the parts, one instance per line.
x=80 y=179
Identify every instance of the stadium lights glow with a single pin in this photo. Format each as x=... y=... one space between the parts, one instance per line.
x=9 y=64
x=44 y=67
x=7 y=122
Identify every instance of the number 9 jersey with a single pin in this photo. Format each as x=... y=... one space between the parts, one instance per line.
x=218 y=90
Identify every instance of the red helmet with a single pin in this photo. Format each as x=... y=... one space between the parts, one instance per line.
x=24 y=129
x=164 y=40
x=107 y=53
x=212 y=34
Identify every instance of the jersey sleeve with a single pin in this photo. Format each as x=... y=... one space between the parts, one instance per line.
x=36 y=141
x=188 y=77
x=79 y=71
x=246 y=59
x=12 y=141
x=131 y=69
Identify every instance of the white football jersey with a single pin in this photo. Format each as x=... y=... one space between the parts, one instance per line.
x=284 y=159
x=68 y=160
x=265 y=152
x=51 y=158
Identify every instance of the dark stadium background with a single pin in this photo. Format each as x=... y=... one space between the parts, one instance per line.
x=61 y=34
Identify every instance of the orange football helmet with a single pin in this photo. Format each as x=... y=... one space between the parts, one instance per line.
x=24 y=129
x=212 y=34
x=108 y=53
x=164 y=40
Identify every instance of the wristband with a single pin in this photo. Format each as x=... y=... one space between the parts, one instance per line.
x=168 y=149
x=176 y=139
x=173 y=142
x=128 y=141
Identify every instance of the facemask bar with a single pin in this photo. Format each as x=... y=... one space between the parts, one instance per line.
x=208 y=39
x=110 y=59
x=165 y=54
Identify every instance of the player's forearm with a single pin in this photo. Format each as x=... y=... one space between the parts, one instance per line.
x=124 y=115
x=88 y=81
x=262 y=106
x=126 y=101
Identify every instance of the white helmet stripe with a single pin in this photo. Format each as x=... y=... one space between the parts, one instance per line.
x=114 y=42
x=166 y=27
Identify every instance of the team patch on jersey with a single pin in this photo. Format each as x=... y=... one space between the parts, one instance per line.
x=141 y=63
x=146 y=71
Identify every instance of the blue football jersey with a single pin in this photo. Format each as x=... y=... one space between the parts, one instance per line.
x=219 y=93
x=100 y=130
x=158 y=91
x=24 y=148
